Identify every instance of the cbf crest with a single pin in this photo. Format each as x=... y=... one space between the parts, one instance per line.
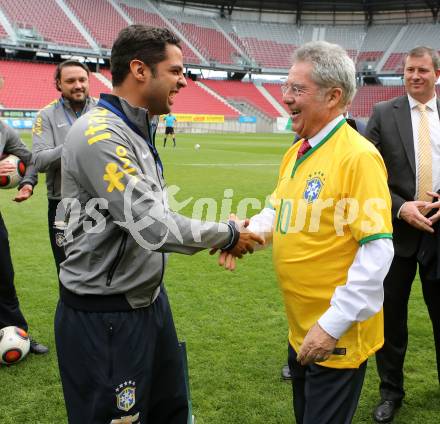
x=126 y=395
x=314 y=185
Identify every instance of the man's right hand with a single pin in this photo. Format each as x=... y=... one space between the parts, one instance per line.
x=411 y=212
x=246 y=243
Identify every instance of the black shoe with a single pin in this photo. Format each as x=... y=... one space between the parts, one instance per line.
x=285 y=373
x=385 y=411
x=37 y=348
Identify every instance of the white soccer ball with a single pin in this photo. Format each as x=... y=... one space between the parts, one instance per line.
x=13 y=178
x=14 y=345
x=197 y=146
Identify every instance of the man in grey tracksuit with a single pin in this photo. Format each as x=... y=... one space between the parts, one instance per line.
x=49 y=133
x=116 y=341
x=10 y=313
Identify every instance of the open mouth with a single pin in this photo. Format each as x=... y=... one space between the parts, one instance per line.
x=295 y=112
x=171 y=96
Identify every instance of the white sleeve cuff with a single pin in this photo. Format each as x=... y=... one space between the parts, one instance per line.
x=262 y=224
x=398 y=212
x=334 y=322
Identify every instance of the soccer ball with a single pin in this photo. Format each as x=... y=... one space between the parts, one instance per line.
x=12 y=179
x=14 y=345
x=197 y=146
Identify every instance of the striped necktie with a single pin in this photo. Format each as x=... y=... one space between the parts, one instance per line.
x=424 y=156
x=303 y=149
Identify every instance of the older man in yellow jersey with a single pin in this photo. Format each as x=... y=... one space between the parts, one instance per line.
x=330 y=224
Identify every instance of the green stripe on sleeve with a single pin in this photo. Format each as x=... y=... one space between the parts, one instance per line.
x=375 y=237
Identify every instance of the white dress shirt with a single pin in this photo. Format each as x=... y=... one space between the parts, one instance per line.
x=362 y=295
x=434 y=132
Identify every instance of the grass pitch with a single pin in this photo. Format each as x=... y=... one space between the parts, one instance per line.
x=233 y=323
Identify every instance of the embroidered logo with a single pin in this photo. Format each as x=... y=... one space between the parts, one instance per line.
x=113 y=177
x=314 y=186
x=60 y=239
x=126 y=395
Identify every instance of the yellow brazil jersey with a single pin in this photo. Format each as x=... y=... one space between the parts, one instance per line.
x=328 y=203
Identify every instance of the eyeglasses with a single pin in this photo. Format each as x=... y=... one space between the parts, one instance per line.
x=297 y=90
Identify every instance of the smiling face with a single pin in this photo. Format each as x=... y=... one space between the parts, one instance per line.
x=311 y=107
x=74 y=85
x=165 y=82
x=420 y=77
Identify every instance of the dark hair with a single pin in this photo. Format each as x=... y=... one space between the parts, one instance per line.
x=421 y=51
x=65 y=64
x=141 y=42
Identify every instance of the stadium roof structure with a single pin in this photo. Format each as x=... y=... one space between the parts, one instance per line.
x=369 y=7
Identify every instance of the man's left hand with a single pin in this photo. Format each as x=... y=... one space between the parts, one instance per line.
x=317 y=346
x=434 y=205
x=24 y=193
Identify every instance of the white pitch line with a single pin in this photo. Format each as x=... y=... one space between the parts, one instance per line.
x=230 y=164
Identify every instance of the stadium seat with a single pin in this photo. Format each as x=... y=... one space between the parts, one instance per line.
x=44 y=19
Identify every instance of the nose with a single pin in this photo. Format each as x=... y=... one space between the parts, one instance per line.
x=287 y=99
x=182 y=82
x=416 y=74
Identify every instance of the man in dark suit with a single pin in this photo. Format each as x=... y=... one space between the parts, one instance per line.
x=406 y=130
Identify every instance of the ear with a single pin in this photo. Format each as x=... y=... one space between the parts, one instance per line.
x=139 y=70
x=57 y=85
x=334 y=96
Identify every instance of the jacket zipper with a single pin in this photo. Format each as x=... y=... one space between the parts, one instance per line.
x=118 y=258
x=153 y=142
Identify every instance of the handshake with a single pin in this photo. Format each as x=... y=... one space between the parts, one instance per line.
x=246 y=243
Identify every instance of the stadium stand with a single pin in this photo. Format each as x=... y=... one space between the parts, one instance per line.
x=31 y=85
x=367 y=96
x=196 y=100
x=203 y=34
x=107 y=74
x=270 y=45
x=394 y=63
x=243 y=91
x=274 y=90
x=3 y=33
x=414 y=35
x=35 y=83
x=140 y=14
x=376 y=41
x=43 y=19
x=100 y=18
x=228 y=29
x=97 y=87
x=137 y=13
x=351 y=37
x=207 y=41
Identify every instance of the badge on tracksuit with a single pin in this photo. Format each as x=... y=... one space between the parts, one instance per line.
x=126 y=395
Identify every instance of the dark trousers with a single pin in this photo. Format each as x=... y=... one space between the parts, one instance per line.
x=102 y=355
x=10 y=313
x=324 y=395
x=397 y=288
x=56 y=236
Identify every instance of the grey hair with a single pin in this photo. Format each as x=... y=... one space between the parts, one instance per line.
x=332 y=67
